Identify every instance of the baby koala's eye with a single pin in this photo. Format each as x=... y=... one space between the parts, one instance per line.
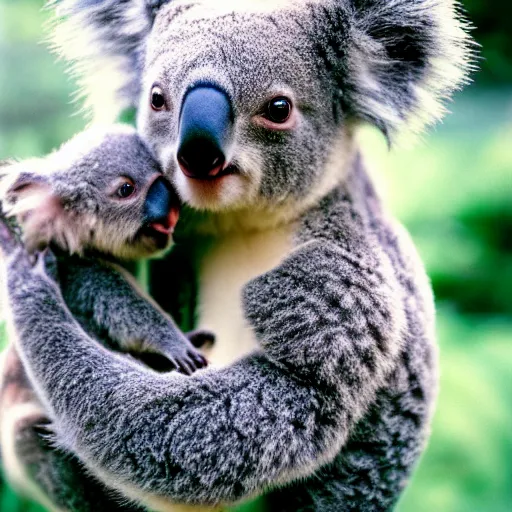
x=279 y=109
x=157 y=98
x=126 y=190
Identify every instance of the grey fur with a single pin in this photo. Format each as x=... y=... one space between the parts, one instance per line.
x=347 y=368
x=390 y=62
x=69 y=200
x=332 y=411
x=58 y=473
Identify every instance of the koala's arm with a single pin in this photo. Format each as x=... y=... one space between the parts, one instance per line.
x=330 y=332
x=30 y=461
x=110 y=296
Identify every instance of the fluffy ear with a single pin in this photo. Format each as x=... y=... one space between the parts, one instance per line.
x=21 y=188
x=105 y=39
x=395 y=62
x=29 y=197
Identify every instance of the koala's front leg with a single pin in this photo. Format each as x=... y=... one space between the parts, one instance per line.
x=118 y=306
x=31 y=463
x=330 y=335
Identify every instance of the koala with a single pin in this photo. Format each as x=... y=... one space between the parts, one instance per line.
x=325 y=369
x=100 y=198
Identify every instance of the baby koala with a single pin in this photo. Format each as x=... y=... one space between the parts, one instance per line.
x=99 y=199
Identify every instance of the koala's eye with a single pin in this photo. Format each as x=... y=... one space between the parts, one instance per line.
x=279 y=109
x=277 y=115
x=157 y=98
x=126 y=190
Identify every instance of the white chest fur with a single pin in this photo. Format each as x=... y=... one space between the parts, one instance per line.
x=226 y=268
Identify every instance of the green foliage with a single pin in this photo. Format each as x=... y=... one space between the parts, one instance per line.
x=453 y=193
x=36 y=113
x=11 y=502
x=467 y=466
x=491 y=19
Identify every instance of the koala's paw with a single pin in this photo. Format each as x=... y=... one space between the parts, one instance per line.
x=34 y=433
x=30 y=277
x=19 y=260
x=183 y=358
x=46 y=264
x=186 y=362
x=9 y=239
x=201 y=338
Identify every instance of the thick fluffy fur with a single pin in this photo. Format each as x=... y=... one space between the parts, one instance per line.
x=69 y=200
x=66 y=200
x=395 y=62
x=106 y=39
x=343 y=384
x=69 y=197
x=51 y=476
x=331 y=409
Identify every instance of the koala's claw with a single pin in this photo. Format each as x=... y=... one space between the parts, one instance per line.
x=186 y=362
x=189 y=361
x=43 y=430
x=39 y=263
x=199 y=359
x=185 y=367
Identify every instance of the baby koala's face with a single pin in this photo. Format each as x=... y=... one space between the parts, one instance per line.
x=101 y=192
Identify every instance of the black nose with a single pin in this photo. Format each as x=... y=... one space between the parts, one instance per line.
x=159 y=201
x=205 y=129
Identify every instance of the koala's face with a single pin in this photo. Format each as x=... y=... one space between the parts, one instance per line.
x=102 y=191
x=253 y=102
x=237 y=107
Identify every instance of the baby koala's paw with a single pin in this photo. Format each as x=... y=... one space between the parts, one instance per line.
x=25 y=271
x=187 y=359
x=182 y=357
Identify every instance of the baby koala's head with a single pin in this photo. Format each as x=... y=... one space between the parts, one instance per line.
x=102 y=191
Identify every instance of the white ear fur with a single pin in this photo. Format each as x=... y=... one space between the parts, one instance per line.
x=441 y=35
x=104 y=40
x=30 y=198
x=50 y=222
x=21 y=189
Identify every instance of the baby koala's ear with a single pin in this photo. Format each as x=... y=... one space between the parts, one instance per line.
x=22 y=186
x=27 y=195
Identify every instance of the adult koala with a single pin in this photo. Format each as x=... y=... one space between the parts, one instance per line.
x=323 y=313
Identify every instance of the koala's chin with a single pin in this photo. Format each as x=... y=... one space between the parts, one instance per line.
x=227 y=192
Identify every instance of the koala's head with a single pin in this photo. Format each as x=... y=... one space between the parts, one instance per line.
x=254 y=103
x=102 y=191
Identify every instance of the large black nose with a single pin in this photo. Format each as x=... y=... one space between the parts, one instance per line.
x=159 y=202
x=205 y=129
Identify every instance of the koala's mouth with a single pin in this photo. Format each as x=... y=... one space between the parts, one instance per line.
x=221 y=173
x=167 y=224
x=160 y=231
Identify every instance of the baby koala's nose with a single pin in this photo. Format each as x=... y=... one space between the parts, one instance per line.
x=206 y=125
x=159 y=201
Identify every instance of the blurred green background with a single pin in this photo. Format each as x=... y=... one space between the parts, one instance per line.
x=453 y=191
